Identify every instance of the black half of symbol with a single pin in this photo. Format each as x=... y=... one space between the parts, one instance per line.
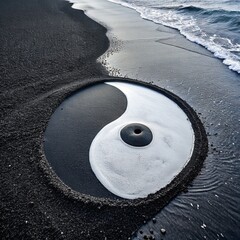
x=71 y=130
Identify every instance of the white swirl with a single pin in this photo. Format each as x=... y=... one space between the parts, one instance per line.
x=135 y=172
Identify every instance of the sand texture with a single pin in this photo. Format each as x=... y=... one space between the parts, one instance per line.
x=47 y=51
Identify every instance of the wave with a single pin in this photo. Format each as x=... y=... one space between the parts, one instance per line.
x=201 y=25
x=205 y=10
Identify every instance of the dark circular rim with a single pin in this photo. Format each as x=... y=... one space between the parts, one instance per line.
x=164 y=195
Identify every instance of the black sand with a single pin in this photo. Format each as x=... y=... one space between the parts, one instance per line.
x=46 y=48
x=46 y=51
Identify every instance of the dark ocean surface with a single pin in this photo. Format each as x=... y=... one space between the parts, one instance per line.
x=214 y=24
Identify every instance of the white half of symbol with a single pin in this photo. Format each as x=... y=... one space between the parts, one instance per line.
x=135 y=172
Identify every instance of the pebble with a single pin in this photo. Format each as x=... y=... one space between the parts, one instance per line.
x=150 y=237
x=163 y=231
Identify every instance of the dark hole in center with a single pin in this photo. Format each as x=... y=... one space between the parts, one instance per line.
x=137 y=131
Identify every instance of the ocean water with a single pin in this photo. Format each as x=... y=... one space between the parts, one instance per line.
x=213 y=24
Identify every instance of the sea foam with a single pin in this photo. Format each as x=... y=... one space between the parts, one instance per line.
x=199 y=23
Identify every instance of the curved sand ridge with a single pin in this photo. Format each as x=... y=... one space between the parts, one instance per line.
x=135 y=172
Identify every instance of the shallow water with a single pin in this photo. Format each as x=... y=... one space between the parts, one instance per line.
x=153 y=53
x=211 y=207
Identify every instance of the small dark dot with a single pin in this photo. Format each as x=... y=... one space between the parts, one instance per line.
x=137 y=131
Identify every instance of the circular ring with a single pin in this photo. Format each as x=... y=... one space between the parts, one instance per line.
x=98 y=193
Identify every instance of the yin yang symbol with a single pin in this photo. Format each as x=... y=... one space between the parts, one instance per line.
x=119 y=140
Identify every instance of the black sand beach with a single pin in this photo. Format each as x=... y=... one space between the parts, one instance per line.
x=47 y=51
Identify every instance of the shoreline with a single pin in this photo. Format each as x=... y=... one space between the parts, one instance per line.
x=34 y=202
x=159 y=55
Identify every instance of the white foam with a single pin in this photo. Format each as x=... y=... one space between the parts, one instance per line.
x=133 y=172
x=183 y=4
x=189 y=28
